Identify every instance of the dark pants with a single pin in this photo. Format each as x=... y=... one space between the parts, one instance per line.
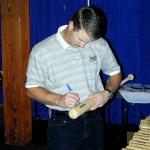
x=83 y=133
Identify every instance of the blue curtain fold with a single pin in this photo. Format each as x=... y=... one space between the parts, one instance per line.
x=113 y=112
x=47 y=15
x=128 y=32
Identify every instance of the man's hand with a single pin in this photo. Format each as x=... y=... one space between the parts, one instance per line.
x=102 y=99
x=69 y=100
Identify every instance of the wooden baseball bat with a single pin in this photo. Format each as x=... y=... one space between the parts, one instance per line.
x=86 y=105
x=82 y=108
x=129 y=78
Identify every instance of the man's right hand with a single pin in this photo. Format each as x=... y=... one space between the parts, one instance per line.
x=69 y=100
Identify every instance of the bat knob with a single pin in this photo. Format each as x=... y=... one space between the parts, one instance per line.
x=73 y=114
x=130 y=76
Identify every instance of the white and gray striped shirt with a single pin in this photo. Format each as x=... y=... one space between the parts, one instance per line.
x=54 y=63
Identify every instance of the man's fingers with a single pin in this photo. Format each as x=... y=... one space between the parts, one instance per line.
x=73 y=95
x=71 y=100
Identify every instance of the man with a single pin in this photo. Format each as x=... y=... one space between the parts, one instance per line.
x=74 y=57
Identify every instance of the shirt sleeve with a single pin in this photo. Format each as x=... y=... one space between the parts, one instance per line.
x=109 y=64
x=34 y=74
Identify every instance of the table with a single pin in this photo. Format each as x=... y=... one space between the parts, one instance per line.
x=136 y=93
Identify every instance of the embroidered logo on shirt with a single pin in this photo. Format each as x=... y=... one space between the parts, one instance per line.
x=92 y=58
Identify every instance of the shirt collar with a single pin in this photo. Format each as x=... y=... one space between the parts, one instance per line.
x=63 y=43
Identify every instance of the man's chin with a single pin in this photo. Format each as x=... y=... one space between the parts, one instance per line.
x=76 y=46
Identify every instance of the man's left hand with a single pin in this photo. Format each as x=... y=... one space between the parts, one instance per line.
x=102 y=99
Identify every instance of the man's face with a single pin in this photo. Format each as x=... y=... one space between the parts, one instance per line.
x=79 y=38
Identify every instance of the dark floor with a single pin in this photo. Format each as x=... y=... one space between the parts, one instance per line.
x=115 y=137
x=39 y=141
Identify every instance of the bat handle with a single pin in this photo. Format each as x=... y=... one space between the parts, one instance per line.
x=129 y=78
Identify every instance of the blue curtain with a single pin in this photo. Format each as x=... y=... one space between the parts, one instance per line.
x=128 y=32
x=47 y=15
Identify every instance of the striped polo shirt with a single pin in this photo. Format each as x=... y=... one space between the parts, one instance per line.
x=53 y=63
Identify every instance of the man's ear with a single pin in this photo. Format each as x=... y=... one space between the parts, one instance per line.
x=70 y=25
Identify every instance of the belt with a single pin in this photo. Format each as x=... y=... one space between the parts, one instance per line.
x=65 y=113
x=59 y=113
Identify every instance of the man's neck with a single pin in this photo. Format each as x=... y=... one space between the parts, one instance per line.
x=64 y=34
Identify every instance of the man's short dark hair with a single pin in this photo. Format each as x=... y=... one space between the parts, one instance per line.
x=92 y=19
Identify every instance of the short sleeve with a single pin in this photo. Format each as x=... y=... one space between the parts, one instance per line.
x=34 y=74
x=109 y=64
